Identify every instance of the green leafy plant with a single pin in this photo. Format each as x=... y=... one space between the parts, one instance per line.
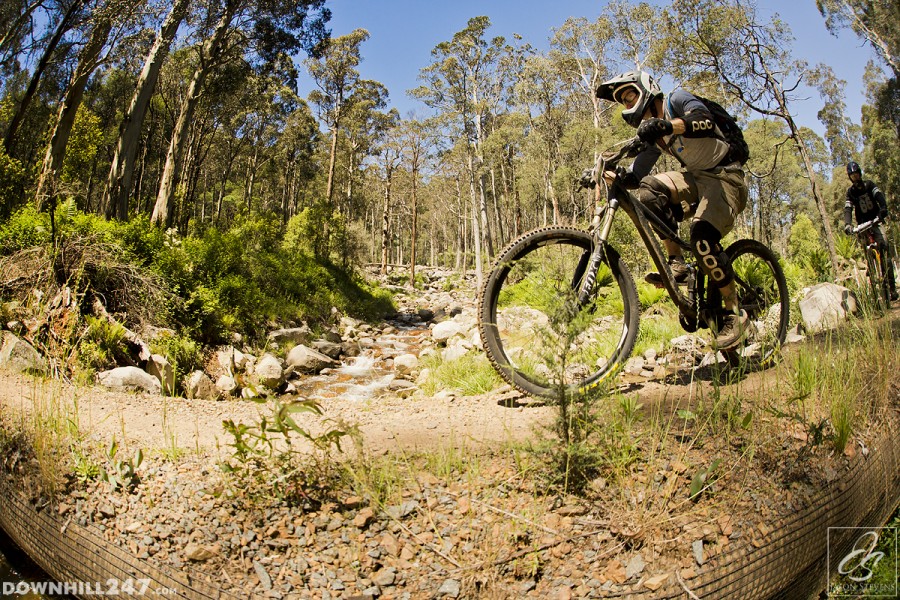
x=704 y=478
x=121 y=473
x=264 y=452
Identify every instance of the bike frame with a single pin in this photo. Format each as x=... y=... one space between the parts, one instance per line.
x=873 y=254
x=617 y=196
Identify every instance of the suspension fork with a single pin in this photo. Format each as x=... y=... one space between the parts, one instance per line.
x=589 y=263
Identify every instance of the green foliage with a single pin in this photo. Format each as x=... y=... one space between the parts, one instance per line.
x=704 y=479
x=183 y=353
x=12 y=179
x=24 y=229
x=121 y=473
x=103 y=345
x=805 y=247
x=471 y=374
x=265 y=459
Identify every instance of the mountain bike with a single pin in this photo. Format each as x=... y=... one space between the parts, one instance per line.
x=559 y=311
x=875 y=262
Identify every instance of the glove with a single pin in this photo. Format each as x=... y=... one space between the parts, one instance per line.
x=652 y=129
x=587 y=181
x=628 y=178
x=883 y=215
x=848 y=229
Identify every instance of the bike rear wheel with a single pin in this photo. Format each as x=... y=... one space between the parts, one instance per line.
x=762 y=292
x=534 y=331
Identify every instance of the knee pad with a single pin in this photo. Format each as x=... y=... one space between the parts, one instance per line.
x=654 y=194
x=710 y=256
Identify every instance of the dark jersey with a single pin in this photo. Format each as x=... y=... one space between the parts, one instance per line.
x=866 y=200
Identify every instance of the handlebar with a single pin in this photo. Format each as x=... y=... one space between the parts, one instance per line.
x=608 y=162
x=866 y=226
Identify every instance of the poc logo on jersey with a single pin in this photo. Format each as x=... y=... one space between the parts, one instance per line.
x=702 y=125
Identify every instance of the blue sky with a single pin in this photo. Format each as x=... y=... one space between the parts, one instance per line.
x=403 y=33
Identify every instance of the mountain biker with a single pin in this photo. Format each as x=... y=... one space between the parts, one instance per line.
x=867 y=201
x=710 y=190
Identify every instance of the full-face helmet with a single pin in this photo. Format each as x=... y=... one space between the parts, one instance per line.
x=641 y=83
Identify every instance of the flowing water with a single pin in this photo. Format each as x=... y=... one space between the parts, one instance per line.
x=17 y=570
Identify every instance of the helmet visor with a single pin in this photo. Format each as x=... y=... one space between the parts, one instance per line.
x=628 y=94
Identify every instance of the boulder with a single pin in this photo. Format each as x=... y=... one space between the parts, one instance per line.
x=19 y=356
x=825 y=306
x=160 y=368
x=406 y=363
x=293 y=335
x=268 y=372
x=306 y=360
x=328 y=348
x=445 y=330
x=226 y=384
x=198 y=385
x=129 y=379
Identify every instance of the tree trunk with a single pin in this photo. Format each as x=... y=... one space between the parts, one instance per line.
x=64 y=25
x=7 y=38
x=414 y=232
x=162 y=210
x=817 y=196
x=385 y=221
x=121 y=171
x=68 y=109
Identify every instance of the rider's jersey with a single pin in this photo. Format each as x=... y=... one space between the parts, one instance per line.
x=695 y=153
x=866 y=200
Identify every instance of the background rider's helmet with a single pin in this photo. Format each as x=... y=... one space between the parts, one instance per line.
x=853 y=167
x=639 y=81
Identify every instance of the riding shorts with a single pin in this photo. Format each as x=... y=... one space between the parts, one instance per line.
x=716 y=196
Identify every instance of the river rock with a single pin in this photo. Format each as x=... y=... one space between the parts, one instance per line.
x=294 y=335
x=19 y=356
x=306 y=360
x=226 y=384
x=445 y=330
x=330 y=349
x=406 y=363
x=199 y=386
x=268 y=372
x=130 y=379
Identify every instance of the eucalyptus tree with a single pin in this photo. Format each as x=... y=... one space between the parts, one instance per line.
x=62 y=19
x=364 y=124
x=121 y=170
x=256 y=30
x=389 y=158
x=877 y=21
x=774 y=198
x=750 y=61
x=461 y=83
x=881 y=127
x=16 y=25
x=579 y=50
x=635 y=34
x=336 y=77
x=109 y=23
x=296 y=149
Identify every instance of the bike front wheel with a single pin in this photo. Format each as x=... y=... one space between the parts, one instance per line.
x=762 y=292
x=537 y=334
x=880 y=289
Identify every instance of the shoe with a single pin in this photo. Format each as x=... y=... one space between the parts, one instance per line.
x=679 y=270
x=734 y=330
